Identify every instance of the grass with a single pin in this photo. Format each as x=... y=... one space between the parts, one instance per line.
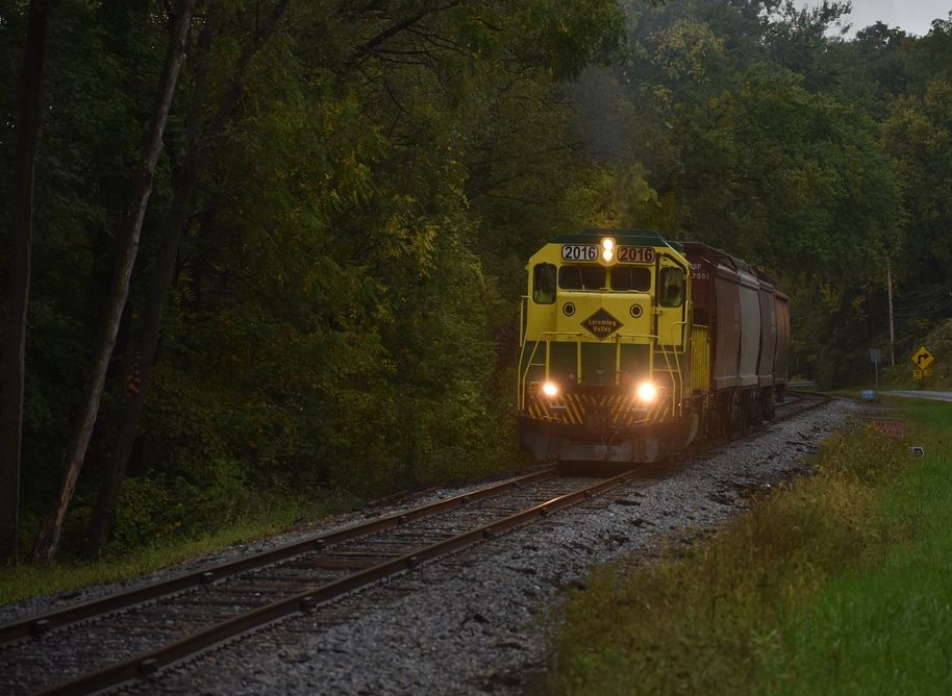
x=887 y=630
x=837 y=584
x=230 y=518
x=24 y=581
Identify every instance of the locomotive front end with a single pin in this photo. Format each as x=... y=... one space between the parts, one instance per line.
x=604 y=330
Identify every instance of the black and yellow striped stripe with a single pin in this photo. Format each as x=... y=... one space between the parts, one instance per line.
x=572 y=408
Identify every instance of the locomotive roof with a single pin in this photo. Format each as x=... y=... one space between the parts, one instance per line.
x=629 y=237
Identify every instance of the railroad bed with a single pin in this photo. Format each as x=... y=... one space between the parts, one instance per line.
x=299 y=579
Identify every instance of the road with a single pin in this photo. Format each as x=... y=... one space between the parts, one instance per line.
x=933 y=395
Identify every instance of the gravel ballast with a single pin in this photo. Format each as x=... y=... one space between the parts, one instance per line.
x=475 y=623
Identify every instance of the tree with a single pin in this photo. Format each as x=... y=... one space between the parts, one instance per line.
x=48 y=538
x=13 y=320
x=378 y=157
x=198 y=147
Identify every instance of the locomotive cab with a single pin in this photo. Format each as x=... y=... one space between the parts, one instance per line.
x=604 y=370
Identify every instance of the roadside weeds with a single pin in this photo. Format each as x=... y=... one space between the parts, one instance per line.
x=832 y=584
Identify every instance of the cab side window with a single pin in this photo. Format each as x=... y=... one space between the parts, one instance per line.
x=543 y=283
x=671 y=287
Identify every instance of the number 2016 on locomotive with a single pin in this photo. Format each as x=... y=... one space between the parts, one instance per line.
x=589 y=252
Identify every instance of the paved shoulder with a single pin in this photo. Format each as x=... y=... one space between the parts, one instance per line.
x=933 y=395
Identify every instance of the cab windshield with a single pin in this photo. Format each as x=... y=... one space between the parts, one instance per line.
x=631 y=278
x=582 y=278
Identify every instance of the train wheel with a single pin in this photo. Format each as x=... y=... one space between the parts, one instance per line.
x=738 y=422
x=724 y=419
x=754 y=410
x=770 y=409
x=573 y=469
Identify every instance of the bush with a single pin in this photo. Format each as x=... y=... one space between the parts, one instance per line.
x=152 y=510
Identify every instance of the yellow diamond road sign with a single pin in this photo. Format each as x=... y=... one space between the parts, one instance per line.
x=922 y=358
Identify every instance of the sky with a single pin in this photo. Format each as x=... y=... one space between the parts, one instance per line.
x=912 y=16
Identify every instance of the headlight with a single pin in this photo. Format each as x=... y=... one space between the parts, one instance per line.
x=647 y=392
x=549 y=389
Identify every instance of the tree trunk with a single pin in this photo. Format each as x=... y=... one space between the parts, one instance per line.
x=13 y=323
x=185 y=180
x=48 y=538
x=185 y=185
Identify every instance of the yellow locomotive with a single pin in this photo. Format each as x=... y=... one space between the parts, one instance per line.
x=614 y=364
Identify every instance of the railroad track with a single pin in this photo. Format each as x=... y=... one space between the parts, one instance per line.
x=800 y=402
x=123 y=638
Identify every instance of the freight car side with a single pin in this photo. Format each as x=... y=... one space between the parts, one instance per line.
x=781 y=356
x=749 y=333
x=768 y=344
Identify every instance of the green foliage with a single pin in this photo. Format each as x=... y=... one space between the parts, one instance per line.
x=939 y=343
x=754 y=128
x=345 y=295
x=333 y=321
x=918 y=135
x=202 y=502
x=761 y=163
x=791 y=179
x=565 y=37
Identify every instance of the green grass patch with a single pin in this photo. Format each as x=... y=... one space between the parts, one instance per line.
x=23 y=581
x=836 y=584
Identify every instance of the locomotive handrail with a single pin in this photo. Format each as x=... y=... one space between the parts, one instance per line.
x=674 y=339
x=677 y=359
x=523 y=317
x=521 y=401
x=547 y=336
x=523 y=332
x=674 y=380
x=579 y=334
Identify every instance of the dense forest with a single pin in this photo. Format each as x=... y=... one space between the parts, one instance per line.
x=275 y=248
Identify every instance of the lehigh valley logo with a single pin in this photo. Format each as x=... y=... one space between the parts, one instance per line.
x=602 y=324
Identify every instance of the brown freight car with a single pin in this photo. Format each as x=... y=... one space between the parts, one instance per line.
x=748 y=324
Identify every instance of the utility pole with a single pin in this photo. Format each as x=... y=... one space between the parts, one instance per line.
x=892 y=326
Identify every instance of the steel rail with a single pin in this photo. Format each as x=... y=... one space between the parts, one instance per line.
x=807 y=392
x=145 y=664
x=803 y=403
x=38 y=625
